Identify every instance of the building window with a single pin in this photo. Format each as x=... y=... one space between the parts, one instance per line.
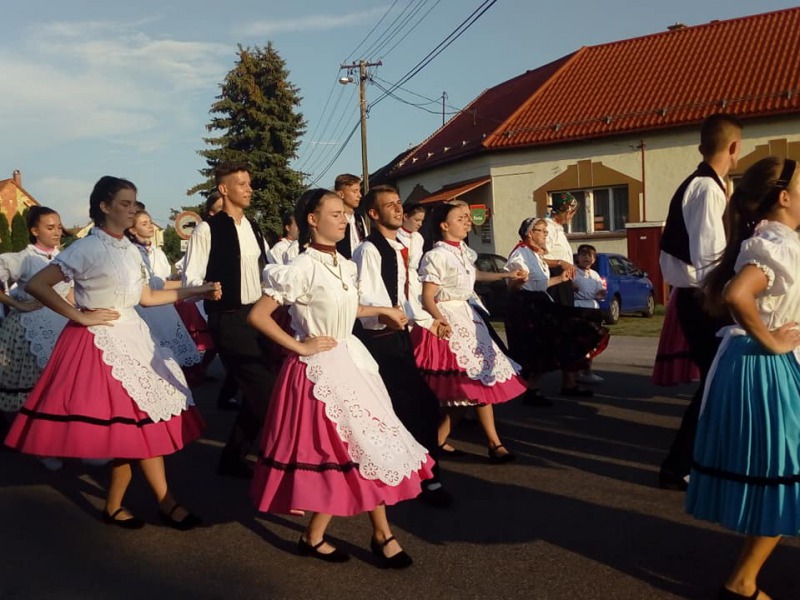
x=600 y=210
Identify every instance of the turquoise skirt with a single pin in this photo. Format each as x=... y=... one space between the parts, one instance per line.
x=746 y=469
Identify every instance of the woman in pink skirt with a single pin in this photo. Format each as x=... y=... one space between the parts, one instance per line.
x=673 y=365
x=332 y=444
x=463 y=365
x=108 y=389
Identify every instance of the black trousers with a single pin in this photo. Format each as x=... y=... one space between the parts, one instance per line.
x=700 y=330
x=413 y=401
x=244 y=352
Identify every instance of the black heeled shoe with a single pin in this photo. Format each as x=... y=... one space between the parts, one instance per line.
x=726 y=594
x=496 y=458
x=401 y=560
x=306 y=549
x=452 y=453
x=190 y=521
x=111 y=519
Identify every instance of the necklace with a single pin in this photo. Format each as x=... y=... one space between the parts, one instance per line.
x=338 y=276
x=331 y=251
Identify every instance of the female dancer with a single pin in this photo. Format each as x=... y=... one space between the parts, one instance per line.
x=745 y=472
x=332 y=443
x=163 y=321
x=544 y=335
x=125 y=397
x=28 y=335
x=411 y=238
x=464 y=366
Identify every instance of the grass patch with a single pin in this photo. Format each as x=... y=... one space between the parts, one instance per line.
x=639 y=326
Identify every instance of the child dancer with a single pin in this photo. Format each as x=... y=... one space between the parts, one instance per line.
x=745 y=472
x=125 y=397
x=163 y=321
x=589 y=288
x=463 y=365
x=411 y=238
x=332 y=443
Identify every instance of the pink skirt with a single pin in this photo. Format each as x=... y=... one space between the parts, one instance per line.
x=673 y=365
x=304 y=464
x=449 y=381
x=78 y=410
x=195 y=324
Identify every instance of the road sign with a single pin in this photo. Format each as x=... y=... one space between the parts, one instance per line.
x=185 y=223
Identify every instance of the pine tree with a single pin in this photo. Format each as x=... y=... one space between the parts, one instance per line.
x=5 y=234
x=19 y=233
x=256 y=116
x=172 y=244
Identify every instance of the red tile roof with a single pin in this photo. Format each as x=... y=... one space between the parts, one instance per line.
x=748 y=66
x=454 y=190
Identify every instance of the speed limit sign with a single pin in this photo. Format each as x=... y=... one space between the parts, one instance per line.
x=185 y=223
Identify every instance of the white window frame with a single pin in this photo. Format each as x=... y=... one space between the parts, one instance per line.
x=589 y=209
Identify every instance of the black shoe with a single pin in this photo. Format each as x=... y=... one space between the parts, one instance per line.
x=437 y=498
x=132 y=523
x=306 y=549
x=229 y=403
x=239 y=469
x=726 y=594
x=454 y=453
x=190 y=521
x=401 y=560
x=496 y=458
x=576 y=392
x=670 y=480
x=535 y=398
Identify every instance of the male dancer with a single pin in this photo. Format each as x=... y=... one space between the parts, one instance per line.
x=229 y=248
x=349 y=188
x=693 y=238
x=383 y=280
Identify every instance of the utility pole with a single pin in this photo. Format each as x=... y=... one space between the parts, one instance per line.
x=444 y=97
x=362 y=66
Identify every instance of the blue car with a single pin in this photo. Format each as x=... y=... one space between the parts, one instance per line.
x=628 y=288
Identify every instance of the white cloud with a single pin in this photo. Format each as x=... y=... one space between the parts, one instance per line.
x=70 y=197
x=102 y=80
x=269 y=27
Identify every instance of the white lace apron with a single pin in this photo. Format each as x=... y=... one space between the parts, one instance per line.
x=168 y=329
x=42 y=328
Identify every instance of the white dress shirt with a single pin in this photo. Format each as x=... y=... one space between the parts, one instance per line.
x=275 y=254
x=198 y=251
x=558 y=247
x=704 y=204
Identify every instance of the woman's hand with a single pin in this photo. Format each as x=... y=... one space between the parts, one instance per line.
x=315 y=345
x=210 y=290
x=27 y=306
x=394 y=318
x=441 y=329
x=518 y=275
x=101 y=316
x=785 y=338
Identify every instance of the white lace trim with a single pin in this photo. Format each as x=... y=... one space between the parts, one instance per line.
x=168 y=330
x=42 y=328
x=765 y=269
x=474 y=348
x=359 y=405
x=152 y=378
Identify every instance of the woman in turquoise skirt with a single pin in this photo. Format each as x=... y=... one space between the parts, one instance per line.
x=746 y=467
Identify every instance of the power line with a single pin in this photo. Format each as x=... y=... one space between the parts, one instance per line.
x=387 y=39
x=336 y=157
x=361 y=43
x=413 y=27
x=388 y=32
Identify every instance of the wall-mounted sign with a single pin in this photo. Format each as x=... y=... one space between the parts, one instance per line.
x=185 y=223
x=479 y=213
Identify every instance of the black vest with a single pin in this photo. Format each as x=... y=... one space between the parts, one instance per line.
x=343 y=245
x=224 y=261
x=388 y=263
x=675 y=239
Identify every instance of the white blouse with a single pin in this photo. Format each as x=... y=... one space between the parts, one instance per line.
x=157 y=263
x=558 y=247
x=587 y=284
x=775 y=249
x=107 y=272
x=322 y=296
x=414 y=241
x=452 y=269
x=22 y=266
x=533 y=264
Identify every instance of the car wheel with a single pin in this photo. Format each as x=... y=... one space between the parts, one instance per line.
x=650 y=310
x=612 y=314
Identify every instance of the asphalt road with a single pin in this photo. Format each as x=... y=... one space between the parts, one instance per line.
x=576 y=516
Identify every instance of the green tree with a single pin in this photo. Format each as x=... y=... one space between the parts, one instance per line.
x=19 y=233
x=5 y=234
x=172 y=244
x=257 y=121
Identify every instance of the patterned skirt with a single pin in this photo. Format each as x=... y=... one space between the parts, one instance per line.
x=746 y=467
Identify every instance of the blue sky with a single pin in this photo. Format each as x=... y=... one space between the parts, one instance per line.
x=124 y=88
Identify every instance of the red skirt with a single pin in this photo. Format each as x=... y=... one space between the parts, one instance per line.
x=449 y=381
x=304 y=464
x=673 y=364
x=195 y=324
x=78 y=410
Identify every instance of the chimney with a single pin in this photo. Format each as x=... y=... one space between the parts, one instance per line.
x=17 y=176
x=676 y=26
